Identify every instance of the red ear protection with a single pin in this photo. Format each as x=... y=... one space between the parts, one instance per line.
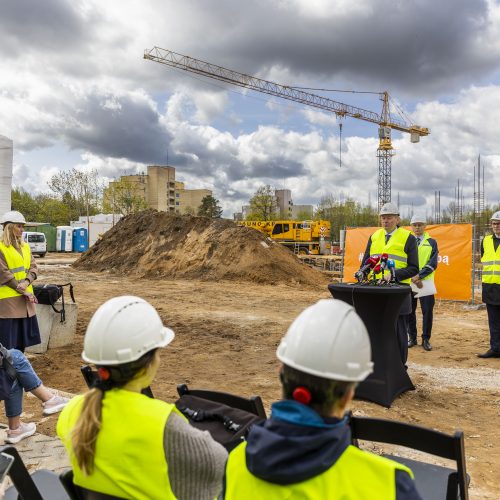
x=302 y=395
x=103 y=373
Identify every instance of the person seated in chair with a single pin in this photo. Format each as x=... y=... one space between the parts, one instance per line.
x=304 y=450
x=121 y=442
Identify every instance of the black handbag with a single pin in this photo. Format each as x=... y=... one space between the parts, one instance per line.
x=8 y=373
x=49 y=294
x=228 y=426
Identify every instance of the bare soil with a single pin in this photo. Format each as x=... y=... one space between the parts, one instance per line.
x=227 y=331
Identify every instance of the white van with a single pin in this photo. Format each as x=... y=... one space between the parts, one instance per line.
x=37 y=242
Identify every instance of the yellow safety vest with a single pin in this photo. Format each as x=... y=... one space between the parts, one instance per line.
x=129 y=459
x=424 y=254
x=491 y=262
x=357 y=474
x=394 y=247
x=18 y=265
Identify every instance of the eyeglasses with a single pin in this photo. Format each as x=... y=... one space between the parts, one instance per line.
x=495 y=223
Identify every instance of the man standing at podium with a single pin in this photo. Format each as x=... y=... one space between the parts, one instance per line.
x=427 y=264
x=401 y=246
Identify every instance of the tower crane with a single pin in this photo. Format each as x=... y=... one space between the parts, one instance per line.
x=384 y=120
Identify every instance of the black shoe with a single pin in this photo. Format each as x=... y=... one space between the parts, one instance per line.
x=412 y=342
x=427 y=345
x=489 y=354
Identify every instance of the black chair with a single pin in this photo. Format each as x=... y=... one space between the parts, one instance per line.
x=78 y=493
x=432 y=481
x=41 y=485
x=90 y=376
x=253 y=404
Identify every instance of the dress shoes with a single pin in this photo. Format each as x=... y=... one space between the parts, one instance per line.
x=412 y=342
x=427 y=345
x=489 y=354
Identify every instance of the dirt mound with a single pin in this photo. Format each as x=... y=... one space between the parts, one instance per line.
x=152 y=243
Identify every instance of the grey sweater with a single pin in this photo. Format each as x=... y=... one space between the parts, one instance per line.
x=195 y=461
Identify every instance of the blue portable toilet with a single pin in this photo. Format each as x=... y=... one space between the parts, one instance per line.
x=80 y=240
x=64 y=239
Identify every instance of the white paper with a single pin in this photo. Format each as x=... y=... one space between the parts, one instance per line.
x=429 y=288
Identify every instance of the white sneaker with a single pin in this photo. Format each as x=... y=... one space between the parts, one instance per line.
x=54 y=404
x=23 y=431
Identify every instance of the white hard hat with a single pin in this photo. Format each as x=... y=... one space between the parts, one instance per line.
x=418 y=218
x=495 y=216
x=329 y=340
x=389 y=209
x=122 y=330
x=13 y=216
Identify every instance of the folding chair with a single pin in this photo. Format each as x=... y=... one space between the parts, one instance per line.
x=78 y=493
x=433 y=482
x=41 y=485
x=253 y=404
x=90 y=376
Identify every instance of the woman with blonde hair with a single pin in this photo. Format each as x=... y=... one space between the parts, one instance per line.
x=18 y=323
x=121 y=442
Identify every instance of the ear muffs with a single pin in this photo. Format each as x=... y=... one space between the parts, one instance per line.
x=302 y=395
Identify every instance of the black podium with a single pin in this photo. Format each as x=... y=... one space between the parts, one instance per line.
x=378 y=307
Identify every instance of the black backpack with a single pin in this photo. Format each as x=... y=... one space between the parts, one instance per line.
x=49 y=294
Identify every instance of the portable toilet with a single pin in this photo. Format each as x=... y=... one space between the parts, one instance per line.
x=64 y=239
x=80 y=240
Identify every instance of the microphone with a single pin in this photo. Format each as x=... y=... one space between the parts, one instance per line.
x=363 y=272
x=392 y=268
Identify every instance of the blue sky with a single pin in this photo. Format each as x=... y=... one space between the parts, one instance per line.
x=76 y=92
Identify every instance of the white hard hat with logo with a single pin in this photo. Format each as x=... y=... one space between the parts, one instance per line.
x=389 y=209
x=122 y=330
x=329 y=340
x=13 y=216
x=495 y=216
x=418 y=219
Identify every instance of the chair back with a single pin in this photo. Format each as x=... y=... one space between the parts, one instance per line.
x=76 y=492
x=418 y=438
x=252 y=404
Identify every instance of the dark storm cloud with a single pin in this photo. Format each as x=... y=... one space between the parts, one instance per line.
x=404 y=45
x=119 y=127
x=40 y=25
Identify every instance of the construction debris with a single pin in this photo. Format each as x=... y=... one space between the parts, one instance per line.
x=154 y=244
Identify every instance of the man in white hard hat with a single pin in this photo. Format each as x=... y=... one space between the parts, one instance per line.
x=427 y=264
x=490 y=259
x=401 y=246
x=304 y=450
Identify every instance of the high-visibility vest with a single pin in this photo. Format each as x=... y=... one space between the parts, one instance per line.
x=18 y=265
x=424 y=254
x=394 y=248
x=357 y=474
x=129 y=459
x=490 y=261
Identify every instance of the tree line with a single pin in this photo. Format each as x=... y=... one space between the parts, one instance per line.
x=74 y=193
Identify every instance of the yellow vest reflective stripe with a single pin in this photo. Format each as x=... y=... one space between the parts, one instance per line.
x=394 y=248
x=356 y=474
x=424 y=254
x=490 y=261
x=130 y=457
x=18 y=265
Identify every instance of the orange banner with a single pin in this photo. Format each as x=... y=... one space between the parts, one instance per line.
x=454 y=272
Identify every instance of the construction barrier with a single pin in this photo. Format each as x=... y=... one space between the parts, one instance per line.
x=454 y=273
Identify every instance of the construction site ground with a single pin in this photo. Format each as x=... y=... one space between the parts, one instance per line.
x=226 y=337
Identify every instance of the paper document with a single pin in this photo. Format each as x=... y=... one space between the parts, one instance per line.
x=429 y=288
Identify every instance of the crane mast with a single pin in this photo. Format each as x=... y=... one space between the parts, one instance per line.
x=384 y=120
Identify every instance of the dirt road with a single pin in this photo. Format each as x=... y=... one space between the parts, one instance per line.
x=226 y=337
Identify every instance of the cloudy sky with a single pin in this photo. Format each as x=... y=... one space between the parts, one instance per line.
x=75 y=91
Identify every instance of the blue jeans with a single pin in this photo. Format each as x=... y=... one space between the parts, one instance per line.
x=27 y=379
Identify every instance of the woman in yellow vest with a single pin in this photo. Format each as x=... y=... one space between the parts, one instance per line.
x=121 y=442
x=303 y=450
x=18 y=323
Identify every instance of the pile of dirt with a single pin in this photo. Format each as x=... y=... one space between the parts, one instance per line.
x=152 y=243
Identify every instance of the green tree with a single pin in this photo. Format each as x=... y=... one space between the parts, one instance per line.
x=122 y=196
x=210 y=207
x=263 y=205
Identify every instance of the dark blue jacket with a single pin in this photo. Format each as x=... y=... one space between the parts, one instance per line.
x=296 y=444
